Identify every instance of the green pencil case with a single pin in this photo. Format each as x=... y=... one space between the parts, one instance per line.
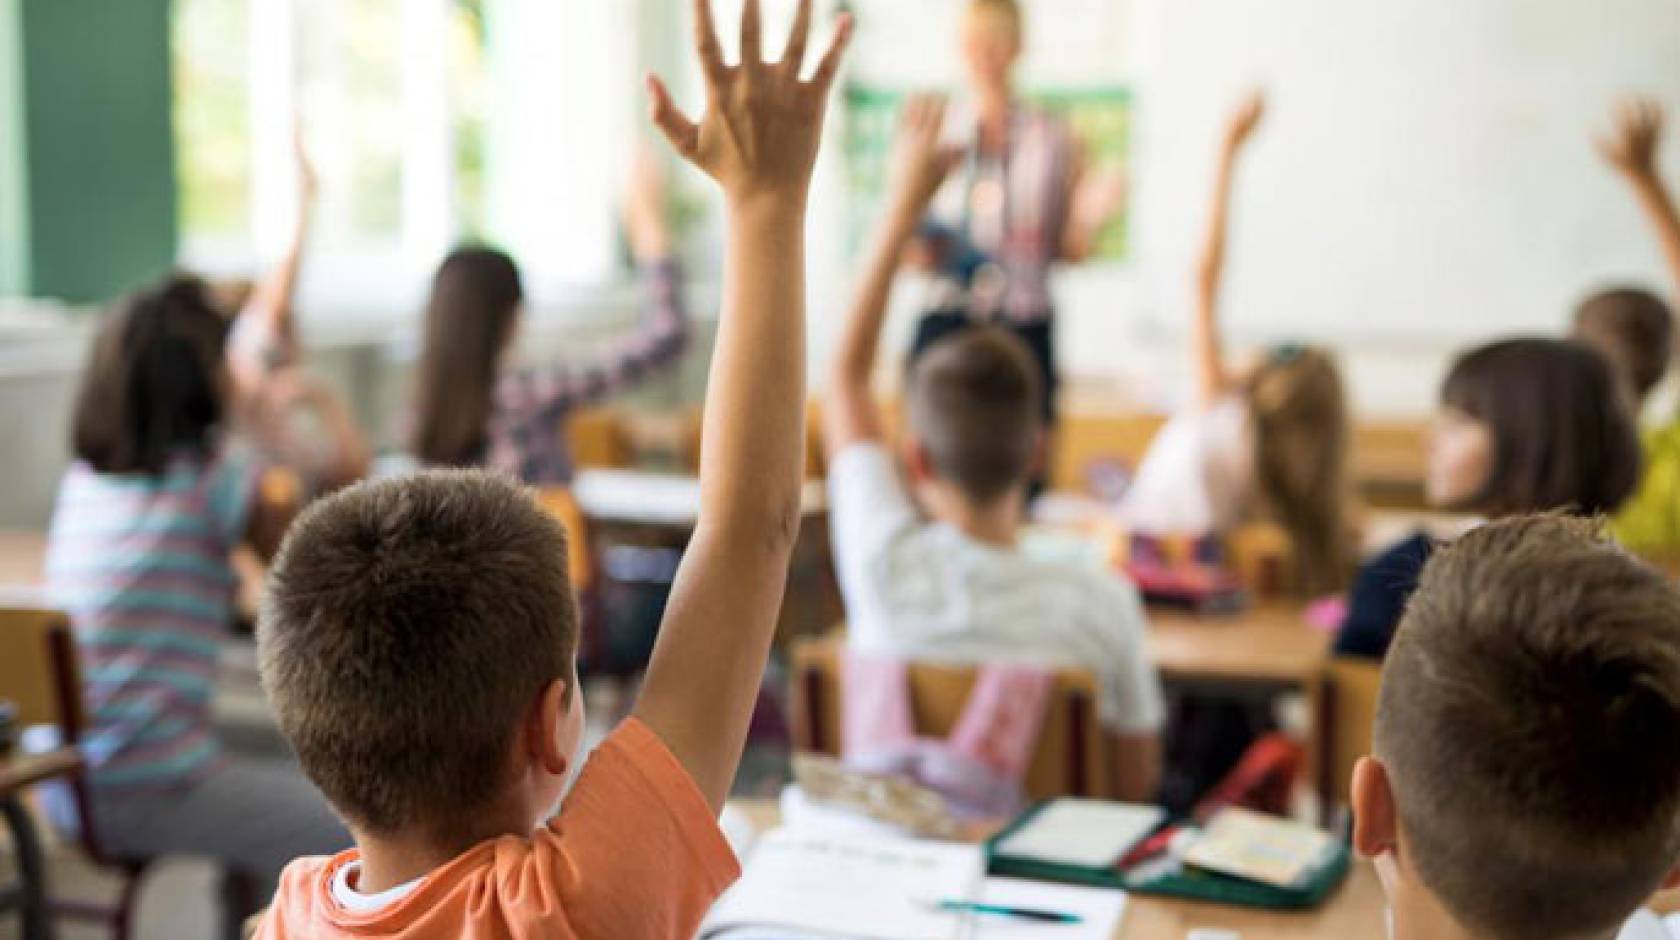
x=1165 y=876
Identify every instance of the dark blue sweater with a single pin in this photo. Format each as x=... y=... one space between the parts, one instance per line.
x=1379 y=596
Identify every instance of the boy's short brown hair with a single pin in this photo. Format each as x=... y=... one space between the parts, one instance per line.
x=1632 y=328
x=973 y=403
x=408 y=626
x=1528 y=719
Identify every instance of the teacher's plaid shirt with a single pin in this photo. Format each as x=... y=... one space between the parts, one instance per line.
x=526 y=436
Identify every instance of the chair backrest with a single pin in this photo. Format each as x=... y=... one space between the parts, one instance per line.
x=560 y=503
x=1072 y=756
x=1350 y=694
x=597 y=438
x=39 y=669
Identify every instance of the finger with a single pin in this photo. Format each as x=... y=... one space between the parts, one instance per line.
x=830 y=65
x=706 y=39
x=678 y=129
x=752 y=30
x=793 y=59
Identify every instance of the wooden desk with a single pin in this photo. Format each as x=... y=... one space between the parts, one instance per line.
x=1354 y=911
x=29 y=895
x=1271 y=645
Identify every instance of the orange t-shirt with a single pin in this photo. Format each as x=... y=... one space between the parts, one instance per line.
x=634 y=853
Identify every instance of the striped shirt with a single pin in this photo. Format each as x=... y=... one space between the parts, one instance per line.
x=527 y=429
x=1013 y=207
x=141 y=565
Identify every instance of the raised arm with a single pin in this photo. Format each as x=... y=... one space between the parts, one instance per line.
x=758 y=138
x=1632 y=149
x=265 y=335
x=543 y=395
x=1207 y=348
x=1094 y=198
x=920 y=164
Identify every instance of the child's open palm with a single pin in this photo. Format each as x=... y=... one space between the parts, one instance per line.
x=763 y=121
x=921 y=159
x=1631 y=146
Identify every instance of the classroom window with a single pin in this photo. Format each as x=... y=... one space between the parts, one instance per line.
x=405 y=105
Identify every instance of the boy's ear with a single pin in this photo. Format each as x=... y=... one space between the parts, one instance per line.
x=1376 y=818
x=543 y=727
x=916 y=461
x=1041 y=452
x=1671 y=880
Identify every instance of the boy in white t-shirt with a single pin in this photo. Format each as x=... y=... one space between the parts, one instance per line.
x=958 y=586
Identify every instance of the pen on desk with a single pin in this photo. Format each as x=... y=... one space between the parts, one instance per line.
x=1019 y=913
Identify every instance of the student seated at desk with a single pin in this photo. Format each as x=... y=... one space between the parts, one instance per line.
x=420 y=636
x=138 y=555
x=1634 y=328
x=1525 y=784
x=1267 y=442
x=473 y=408
x=958 y=586
x=1525 y=425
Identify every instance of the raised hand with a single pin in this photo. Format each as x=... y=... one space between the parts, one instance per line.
x=921 y=159
x=645 y=208
x=763 y=121
x=1245 y=119
x=1631 y=146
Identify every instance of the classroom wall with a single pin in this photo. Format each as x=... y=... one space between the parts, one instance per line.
x=94 y=89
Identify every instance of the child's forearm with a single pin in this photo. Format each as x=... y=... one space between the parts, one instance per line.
x=1206 y=344
x=752 y=454
x=856 y=361
x=1658 y=203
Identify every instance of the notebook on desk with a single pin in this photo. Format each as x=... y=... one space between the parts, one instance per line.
x=828 y=886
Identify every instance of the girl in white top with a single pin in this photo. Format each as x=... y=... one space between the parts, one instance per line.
x=1267 y=442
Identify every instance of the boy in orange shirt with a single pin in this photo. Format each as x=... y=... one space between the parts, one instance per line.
x=419 y=637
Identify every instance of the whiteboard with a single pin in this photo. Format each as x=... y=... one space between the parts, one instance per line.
x=1426 y=170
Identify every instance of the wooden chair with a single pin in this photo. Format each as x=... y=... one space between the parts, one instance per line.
x=1349 y=711
x=598 y=439
x=39 y=671
x=1072 y=756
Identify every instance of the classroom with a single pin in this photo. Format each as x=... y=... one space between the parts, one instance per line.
x=839 y=469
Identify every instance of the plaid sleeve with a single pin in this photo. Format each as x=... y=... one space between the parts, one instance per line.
x=544 y=395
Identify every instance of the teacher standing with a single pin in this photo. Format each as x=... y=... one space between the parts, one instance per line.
x=1018 y=202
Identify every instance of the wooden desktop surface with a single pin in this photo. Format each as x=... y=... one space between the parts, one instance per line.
x=1355 y=910
x=1270 y=643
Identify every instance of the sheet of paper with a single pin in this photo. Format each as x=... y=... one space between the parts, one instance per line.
x=1100 y=910
x=1087 y=833
x=829 y=885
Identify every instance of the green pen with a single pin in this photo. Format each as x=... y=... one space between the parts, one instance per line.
x=1019 y=913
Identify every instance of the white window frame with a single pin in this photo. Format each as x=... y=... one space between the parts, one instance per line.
x=561 y=71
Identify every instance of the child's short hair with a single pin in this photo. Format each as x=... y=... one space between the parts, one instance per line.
x=153 y=387
x=1563 y=435
x=1527 y=720
x=974 y=406
x=1634 y=329
x=408 y=626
